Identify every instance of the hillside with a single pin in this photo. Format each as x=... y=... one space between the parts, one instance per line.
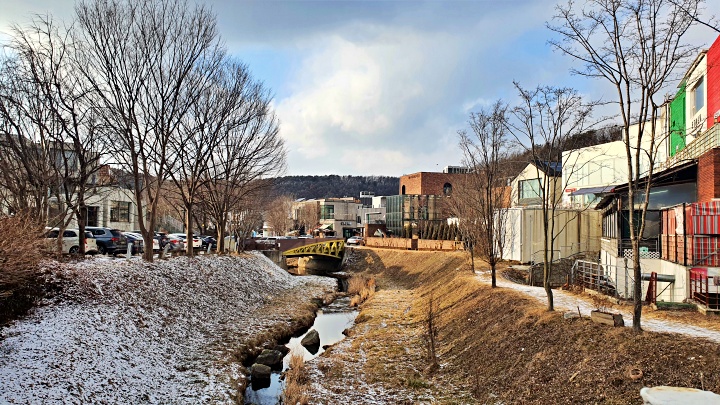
x=335 y=186
x=499 y=345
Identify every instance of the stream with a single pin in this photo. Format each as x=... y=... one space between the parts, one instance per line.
x=330 y=322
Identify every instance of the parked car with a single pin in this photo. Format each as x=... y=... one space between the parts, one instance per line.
x=268 y=240
x=136 y=240
x=175 y=243
x=71 y=241
x=208 y=240
x=354 y=240
x=196 y=242
x=109 y=241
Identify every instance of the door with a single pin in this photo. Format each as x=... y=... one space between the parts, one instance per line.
x=92 y=216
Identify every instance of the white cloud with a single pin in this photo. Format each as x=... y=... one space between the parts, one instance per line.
x=365 y=90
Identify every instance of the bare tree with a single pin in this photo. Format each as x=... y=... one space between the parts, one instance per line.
x=308 y=215
x=147 y=63
x=250 y=153
x=636 y=46
x=219 y=106
x=278 y=215
x=544 y=124
x=26 y=144
x=483 y=190
x=46 y=54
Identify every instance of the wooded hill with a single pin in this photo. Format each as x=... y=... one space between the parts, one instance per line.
x=335 y=186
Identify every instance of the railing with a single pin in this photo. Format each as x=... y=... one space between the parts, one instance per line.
x=649 y=248
x=703 y=143
x=615 y=281
x=703 y=291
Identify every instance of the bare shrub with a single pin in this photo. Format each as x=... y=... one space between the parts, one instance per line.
x=431 y=335
x=296 y=381
x=19 y=250
x=361 y=288
x=20 y=253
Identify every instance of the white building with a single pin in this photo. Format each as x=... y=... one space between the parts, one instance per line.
x=589 y=172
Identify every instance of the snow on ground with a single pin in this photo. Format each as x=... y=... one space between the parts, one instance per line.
x=126 y=331
x=565 y=301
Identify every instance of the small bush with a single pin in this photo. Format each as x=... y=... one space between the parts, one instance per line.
x=20 y=253
x=296 y=380
x=361 y=288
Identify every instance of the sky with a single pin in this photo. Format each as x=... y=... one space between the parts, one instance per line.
x=381 y=87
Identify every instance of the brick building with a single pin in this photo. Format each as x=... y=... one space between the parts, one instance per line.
x=708 y=176
x=428 y=183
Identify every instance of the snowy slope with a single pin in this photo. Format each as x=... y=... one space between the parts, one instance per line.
x=125 y=331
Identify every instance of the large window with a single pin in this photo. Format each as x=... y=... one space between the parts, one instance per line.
x=529 y=188
x=327 y=212
x=699 y=95
x=120 y=211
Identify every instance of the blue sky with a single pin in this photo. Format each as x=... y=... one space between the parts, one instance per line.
x=381 y=87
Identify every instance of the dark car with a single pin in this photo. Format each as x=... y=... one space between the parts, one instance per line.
x=136 y=241
x=208 y=240
x=109 y=241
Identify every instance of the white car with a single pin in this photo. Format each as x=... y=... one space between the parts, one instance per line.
x=354 y=240
x=196 y=243
x=71 y=241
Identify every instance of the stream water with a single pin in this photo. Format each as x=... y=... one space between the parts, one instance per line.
x=330 y=322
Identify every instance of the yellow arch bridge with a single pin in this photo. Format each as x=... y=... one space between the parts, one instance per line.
x=331 y=248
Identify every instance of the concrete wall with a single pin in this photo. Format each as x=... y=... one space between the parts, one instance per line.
x=696 y=118
x=713 y=83
x=575 y=231
x=413 y=244
x=595 y=166
x=621 y=272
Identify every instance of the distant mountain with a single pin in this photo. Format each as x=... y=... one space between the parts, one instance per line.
x=335 y=186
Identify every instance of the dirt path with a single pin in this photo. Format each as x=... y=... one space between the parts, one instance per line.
x=568 y=301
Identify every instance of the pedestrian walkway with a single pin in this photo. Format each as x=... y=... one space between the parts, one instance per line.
x=566 y=301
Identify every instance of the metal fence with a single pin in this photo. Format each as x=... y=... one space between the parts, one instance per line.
x=615 y=281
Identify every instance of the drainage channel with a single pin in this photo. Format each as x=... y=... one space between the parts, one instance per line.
x=330 y=322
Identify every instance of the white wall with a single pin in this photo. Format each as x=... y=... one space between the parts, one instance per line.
x=102 y=198
x=675 y=292
x=531 y=172
x=695 y=119
x=606 y=164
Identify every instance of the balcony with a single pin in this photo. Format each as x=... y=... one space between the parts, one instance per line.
x=699 y=146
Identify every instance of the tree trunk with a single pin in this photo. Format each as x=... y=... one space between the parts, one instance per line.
x=492 y=272
x=637 y=287
x=189 y=249
x=546 y=284
x=82 y=221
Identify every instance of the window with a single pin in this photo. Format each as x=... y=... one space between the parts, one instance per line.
x=327 y=212
x=529 y=188
x=447 y=189
x=699 y=95
x=120 y=211
x=69 y=234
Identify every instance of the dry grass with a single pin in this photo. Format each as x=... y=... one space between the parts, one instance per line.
x=497 y=345
x=296 y=381
x=361 y=287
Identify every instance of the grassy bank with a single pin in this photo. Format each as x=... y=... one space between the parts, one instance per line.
x=492 y=345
